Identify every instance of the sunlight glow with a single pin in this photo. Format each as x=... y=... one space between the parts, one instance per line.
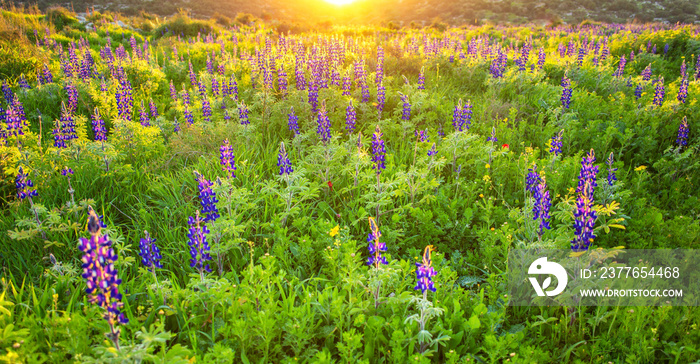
x=340 y=2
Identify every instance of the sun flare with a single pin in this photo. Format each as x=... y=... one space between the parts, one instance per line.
x=340 y=2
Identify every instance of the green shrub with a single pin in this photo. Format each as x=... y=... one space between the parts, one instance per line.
x=181 y=24
x=61 y=17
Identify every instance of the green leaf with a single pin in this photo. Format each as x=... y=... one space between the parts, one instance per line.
x=474 y=322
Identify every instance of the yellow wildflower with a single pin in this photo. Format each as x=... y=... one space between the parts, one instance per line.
x=334 y=231
x=640 y=168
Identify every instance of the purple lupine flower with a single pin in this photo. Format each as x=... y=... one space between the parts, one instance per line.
x=48 y=76
x=335 y=77
x=176 y=126
x=457 y=116
x=173 y=91
x=556 y=144
x=665 y=49
x=24 y=185
x=149 y=252
x=659 y=92
x=566 y=92
x=421 y=79
x=542 y=204
x=102 y=279
x=313 y=96
x=186 y=100
x=323 y=124
x=21 y=118
x=425 y=272
x=215 y=89
x=422 y=135
x=243 y=113
x=532 y=179
x=379 y=74
x=606 y=51
x=492 y=138
x=199 y=248
x=72 y=93
x=611 y=171
x=67 y=172
x=135 y=50
x=85 y=70
x=541 y=57
x=206 y=110
x=153 y=108
x=621 y=67
x=188 y=116
x=466 y=115
x=581 y=54
x=376 y=247
x=432 y=151
x=7 y=93
x=98 y=127
x=365 y=91
x=406 y=107
x=646 y=73
x=125 y=100
x=584 y=214
x=495 y=68
x=267 y=78
x=66 y=66
x=683 y=90
x=347 y=85
x=283 y=161
x=381 y=98
x=210 y=66
x=207 y=198
x=143 y=116
x=65 y=129
x=638 y=91
x=299 y=79
x=524 y=57
x=682 y=139
x=3 y=122
x=233 y=87
x=228 y=162
x=103 y=85
x=697 y=67
x=588 y=172
x=378 y=150
x=350 y=118
x=202 y=89
x=14 y=121
x=193 y=77
x=293 y=122
x=23 y=82
x=282 y=82
x=684 y=70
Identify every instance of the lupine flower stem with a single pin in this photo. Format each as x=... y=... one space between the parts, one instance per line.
x=36 y=217
x=22 y=182
x=285 y=169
